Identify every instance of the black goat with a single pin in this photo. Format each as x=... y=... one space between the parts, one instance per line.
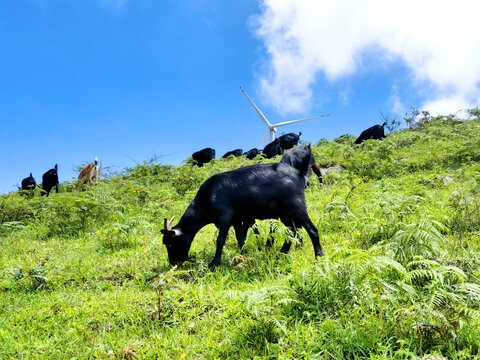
x=49 y=180
x=375 y=132
x=28 y=183
x=288 y=141
x=203 y=156
x=273 y=149
x=236 y=153
x=251 y=154
x=236 y=198
x=302 y=156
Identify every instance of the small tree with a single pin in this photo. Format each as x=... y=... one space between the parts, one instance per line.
x=392 y=123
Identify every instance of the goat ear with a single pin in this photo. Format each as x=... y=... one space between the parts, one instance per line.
x=169 y=232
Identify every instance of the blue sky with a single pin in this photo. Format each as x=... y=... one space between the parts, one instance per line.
x=126 y=79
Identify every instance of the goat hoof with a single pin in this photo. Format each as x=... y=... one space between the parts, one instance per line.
x=319 y=254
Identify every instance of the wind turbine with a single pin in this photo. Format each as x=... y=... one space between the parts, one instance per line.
x=272 y=128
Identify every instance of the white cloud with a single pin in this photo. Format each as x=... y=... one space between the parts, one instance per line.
x=396 y=103
x=438 y=40
x=344 y=96
x=447 y=105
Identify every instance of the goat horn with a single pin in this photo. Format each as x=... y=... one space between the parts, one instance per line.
x=169 y=226
x=165 y=224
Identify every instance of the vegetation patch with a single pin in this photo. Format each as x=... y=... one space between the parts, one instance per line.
x=85 y=274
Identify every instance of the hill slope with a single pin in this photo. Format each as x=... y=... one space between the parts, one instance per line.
x=85 y=274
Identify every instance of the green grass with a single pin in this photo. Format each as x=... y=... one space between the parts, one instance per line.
x=85 y=275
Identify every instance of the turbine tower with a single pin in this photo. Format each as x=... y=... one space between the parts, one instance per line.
x=272 y=128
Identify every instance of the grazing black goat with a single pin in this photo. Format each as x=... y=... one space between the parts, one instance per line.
x=236 y=198
x=236 y=153
x=203 y=156
x=375 y=132
x=300 y=157
x=28 y=183
x=288 y=141
x=251 y=154
x=273 y=149
x=49 y=180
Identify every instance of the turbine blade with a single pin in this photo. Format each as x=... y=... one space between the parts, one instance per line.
x=264 y=139
x=264 y=119
x=298 y=120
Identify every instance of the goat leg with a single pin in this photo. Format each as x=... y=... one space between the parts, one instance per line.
x=314 y=236
x=222 y=236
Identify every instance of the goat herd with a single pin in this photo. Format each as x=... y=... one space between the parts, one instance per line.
x=88 y=175
x=239 y=197
x=279 y=145
x=276 y=147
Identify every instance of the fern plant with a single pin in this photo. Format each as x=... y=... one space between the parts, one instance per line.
x=444 y=301
x=423 y=238
x=465 y=206
x=349 y=278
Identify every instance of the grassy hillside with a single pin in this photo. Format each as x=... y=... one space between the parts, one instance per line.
x=85 y=275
